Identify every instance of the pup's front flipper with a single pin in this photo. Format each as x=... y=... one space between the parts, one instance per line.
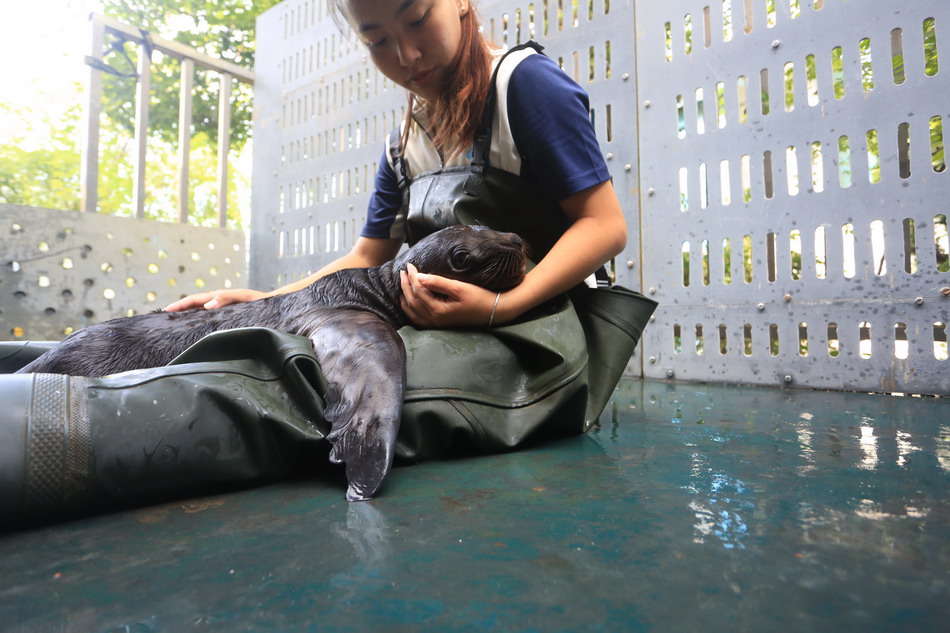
x=364 y=362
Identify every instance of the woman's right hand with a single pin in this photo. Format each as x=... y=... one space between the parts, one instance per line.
x=215 y=299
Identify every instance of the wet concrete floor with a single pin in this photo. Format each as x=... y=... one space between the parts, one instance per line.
x=690 y=508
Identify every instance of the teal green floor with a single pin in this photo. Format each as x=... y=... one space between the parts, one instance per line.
x=691 y=508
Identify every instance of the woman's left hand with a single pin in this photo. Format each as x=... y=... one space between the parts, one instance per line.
x=432 y=301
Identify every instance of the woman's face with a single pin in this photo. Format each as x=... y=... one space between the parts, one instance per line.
x=412 y=42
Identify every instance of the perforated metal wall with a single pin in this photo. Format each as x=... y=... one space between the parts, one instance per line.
x=63 y=270
x=796 y=196
x=800 y=242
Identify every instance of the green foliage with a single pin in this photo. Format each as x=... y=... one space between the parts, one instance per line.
x=46 y=176
x=874 y=156
x=789 y=76
x=938 y=157
x=942 y=240
x=931 y=64
x=223 y=29
x=747 y=258
x=867 y=74
x=727 y=261
x=685 y=265
x=796 y=265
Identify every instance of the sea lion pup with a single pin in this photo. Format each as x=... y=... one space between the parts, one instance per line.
x=351 y=317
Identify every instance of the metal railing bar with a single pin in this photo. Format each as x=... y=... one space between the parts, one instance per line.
x=188 y=56
x=184 y=136
x=224 y=146
x=142 y=99
x=89 y=165
x=175 y=49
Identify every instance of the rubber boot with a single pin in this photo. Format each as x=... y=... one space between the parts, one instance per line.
x=230 y=411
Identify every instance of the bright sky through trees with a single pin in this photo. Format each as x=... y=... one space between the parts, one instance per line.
x=42 y=45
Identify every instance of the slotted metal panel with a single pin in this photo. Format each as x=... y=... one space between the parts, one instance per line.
x=795 y=198
x=802 y=242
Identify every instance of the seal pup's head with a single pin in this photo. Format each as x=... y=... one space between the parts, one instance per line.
x=473 y=254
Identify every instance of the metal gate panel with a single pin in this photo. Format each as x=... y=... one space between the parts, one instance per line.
x=795 y=243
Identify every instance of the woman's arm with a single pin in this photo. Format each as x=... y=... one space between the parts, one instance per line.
x=598 y=232
x=366 y=252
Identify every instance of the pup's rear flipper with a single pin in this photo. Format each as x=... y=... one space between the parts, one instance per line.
x=364 y=362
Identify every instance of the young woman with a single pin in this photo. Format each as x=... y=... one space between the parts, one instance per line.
x=542 y=133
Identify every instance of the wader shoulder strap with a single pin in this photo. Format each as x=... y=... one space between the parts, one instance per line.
x=481 y=146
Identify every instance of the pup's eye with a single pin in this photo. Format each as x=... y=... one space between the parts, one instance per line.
x=459 y=258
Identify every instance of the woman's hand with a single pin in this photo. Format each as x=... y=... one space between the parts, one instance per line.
x=431 y=301
x=215 y=299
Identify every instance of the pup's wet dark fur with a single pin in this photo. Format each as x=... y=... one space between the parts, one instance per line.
x=350 y=316
x=473 y=254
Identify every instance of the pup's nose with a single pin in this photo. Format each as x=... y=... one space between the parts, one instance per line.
x=515 y=240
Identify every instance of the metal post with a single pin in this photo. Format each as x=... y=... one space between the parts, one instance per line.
x=224 y=146
x=184 y=136
x=89 y=165
x=141 y=127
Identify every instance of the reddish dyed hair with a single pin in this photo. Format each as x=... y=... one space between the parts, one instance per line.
x=464 y=94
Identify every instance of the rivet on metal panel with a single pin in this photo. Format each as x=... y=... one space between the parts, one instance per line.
x=945 y=292
x=788 y=379
x=647 y=104
x=627 y=167
x=652 y=317
x=653 y=360
x=651 y=192
x=776 y=43
x=670 y=373
x=626 y=76
x=787 y=297
x=919 y=301
x=630 y=263
x=609 y=156
x=760 y=307
x=652 y=290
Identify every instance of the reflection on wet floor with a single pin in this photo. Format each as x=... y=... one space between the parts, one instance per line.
x=689 y=507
